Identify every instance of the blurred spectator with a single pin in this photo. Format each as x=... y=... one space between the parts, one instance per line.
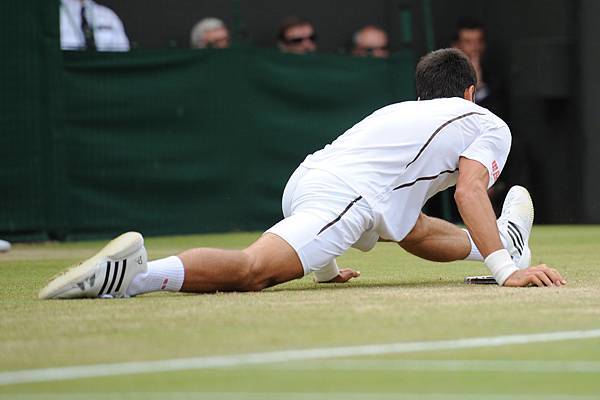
x=370 y=41
x=470 y=38
x=86 y=25
x=4 y=245
x=209 y=33
x=297 y=35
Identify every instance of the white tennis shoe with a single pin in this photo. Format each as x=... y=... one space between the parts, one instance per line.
x=107 y=274
x=4 y=246
x=515 y=224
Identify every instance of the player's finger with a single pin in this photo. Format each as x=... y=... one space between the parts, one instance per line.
x=536 y=281
x=544 y=278
x=554 y=275
x=349 y=274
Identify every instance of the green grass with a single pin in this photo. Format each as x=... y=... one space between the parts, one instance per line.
x=398 y=298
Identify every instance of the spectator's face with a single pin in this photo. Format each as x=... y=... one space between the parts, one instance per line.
x=299 y=39
x=471 y=42
x=371 y=42
x=216 y=38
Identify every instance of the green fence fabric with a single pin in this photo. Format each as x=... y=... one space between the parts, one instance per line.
x=30 y=60
x=170 y=141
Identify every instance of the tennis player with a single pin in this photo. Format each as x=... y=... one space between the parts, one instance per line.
x=369 y=185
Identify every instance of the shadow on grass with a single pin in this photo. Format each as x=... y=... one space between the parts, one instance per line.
x=373 y=284
x=312 y=287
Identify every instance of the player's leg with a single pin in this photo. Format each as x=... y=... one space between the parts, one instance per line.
x=267 y=262
x=437 y=240
x=120 y=269
x=326 y=221
x=292 y=248
x=305 y=242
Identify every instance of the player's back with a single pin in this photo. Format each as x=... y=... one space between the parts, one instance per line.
x=404 y=142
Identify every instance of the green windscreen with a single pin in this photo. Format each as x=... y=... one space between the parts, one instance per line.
x=169 y=141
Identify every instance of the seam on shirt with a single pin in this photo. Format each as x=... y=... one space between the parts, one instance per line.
x=434 y=134
x=425 y=178
x=349 y=206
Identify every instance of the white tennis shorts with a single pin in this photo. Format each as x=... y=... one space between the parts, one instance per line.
x=323 y=218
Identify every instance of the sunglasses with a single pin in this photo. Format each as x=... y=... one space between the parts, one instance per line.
x=298 y=40
x=372 y=50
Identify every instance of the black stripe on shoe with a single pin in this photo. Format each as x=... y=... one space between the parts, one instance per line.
x=515 y=242
x=105 y=278
x=122 y=275
x=114 y=278
x=517 y=235
x=510 y=223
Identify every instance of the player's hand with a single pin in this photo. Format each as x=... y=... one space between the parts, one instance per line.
x=344 y=276
x=539 y=275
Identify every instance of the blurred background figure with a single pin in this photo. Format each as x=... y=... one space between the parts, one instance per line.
x=86 y=25
x=209 y=33
x=4 y=246
x=470 y=38
x=370 y=41
x=297 y=35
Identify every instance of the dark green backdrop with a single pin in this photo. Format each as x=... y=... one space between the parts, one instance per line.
x=173 y=141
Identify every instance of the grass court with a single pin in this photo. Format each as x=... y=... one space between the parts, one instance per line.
x=399 y=298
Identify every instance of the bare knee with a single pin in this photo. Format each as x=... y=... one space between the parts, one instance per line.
x=252 y=276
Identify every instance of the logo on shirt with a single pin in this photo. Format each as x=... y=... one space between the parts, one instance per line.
x=495 y=170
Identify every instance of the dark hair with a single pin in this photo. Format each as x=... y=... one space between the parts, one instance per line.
x=467 y=23
x=289 y=22
x=444 y=73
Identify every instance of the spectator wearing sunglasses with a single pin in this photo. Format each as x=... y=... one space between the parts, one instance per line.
x=370 y=41
x=297 y=35
x=209 y=33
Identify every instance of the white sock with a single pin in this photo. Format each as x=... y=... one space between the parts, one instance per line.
x=164 y=274
x=475 y=255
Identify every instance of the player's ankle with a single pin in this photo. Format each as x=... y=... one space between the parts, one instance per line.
x=165 y=274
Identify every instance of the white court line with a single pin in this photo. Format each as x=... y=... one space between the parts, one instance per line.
x=525 y=366
x=291 y=396
x=234 y=360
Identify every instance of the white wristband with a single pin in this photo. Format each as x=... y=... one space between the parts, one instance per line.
x=501 y=265
x=327 y=273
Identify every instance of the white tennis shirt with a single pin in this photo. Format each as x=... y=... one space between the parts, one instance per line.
x=403 y=154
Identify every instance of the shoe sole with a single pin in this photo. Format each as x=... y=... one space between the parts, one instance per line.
x=118 y=248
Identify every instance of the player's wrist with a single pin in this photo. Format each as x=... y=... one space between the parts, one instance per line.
x=501 y=264
x=327 y=273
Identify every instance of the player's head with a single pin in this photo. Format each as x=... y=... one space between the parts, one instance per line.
x=445 y=73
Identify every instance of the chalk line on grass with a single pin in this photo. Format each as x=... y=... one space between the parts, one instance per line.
x=235 y=360
x=290 y=396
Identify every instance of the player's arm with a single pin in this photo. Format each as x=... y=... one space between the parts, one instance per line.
x=475 y=207
x=331 y=274
x=478 y=215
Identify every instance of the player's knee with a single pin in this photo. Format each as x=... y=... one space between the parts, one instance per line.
x=252 y=276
